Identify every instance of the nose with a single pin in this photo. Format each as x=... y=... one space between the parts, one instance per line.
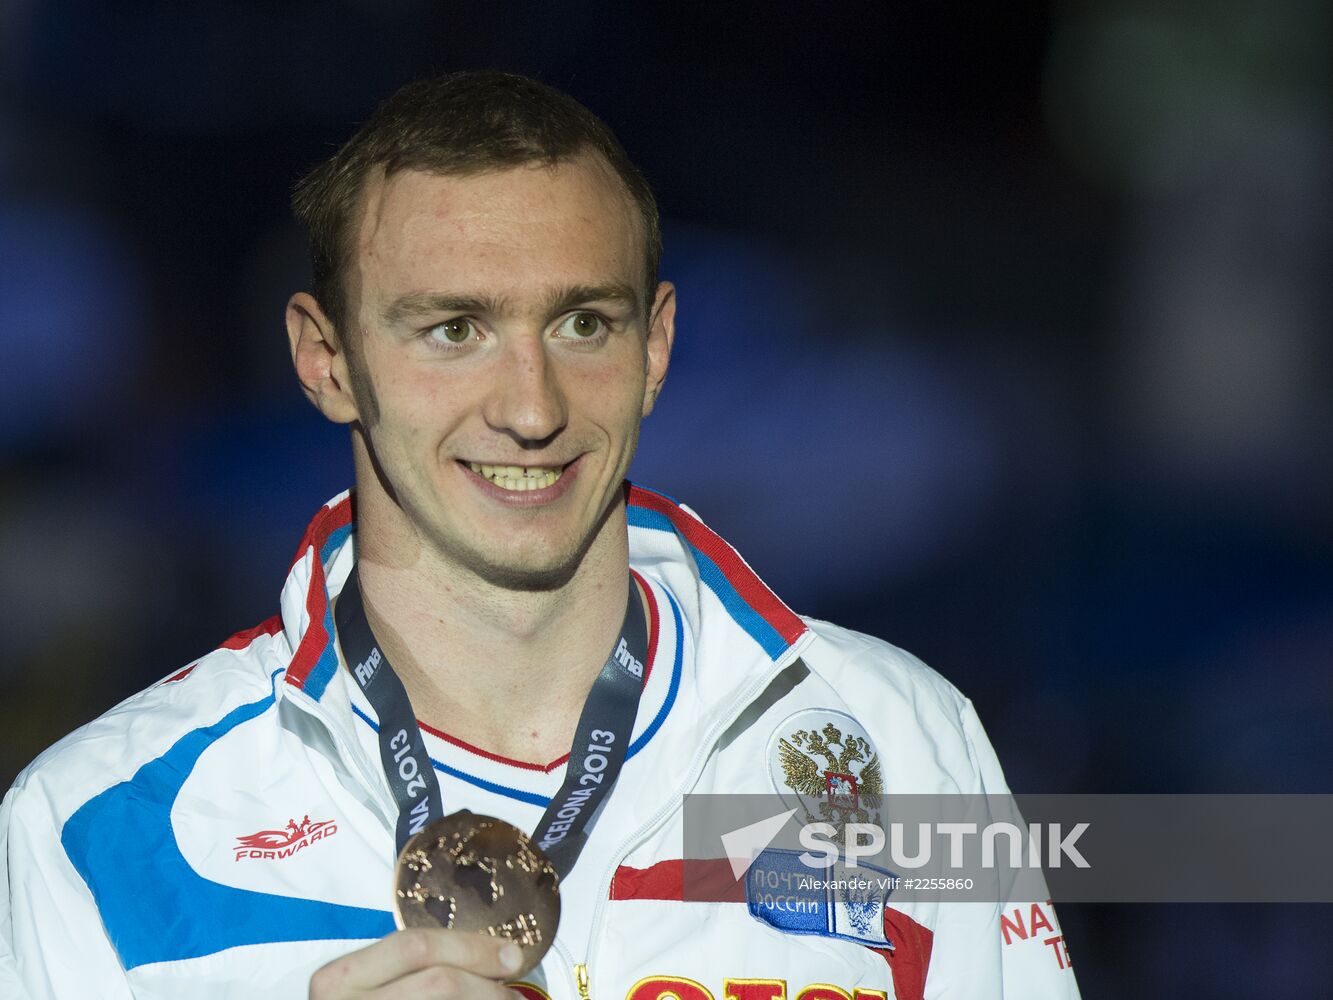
x=526 y=401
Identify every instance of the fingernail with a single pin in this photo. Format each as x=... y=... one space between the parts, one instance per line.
x=511 y=957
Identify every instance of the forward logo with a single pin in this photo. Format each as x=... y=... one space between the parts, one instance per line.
x=277 y=844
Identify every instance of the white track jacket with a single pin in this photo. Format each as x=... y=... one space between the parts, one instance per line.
x=229 y=830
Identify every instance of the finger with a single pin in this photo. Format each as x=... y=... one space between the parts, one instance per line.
x=407 y=951
x=441 y=982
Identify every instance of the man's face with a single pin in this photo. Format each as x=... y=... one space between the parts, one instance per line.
x=504 y=358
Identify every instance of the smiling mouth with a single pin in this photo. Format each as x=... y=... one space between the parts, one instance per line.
x=519 y=478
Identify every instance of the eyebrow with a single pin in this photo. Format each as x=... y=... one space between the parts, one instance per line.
x=576 y=295
x=424 y=303
x=557 y=300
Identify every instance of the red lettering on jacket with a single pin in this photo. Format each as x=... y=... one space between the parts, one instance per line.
x=754 y=989
x=1037 y=920
x=284 y=843
x=667 y=988
x=1015 y=925
x=1057 y=945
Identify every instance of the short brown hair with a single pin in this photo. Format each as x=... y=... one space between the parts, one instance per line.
x=459 y=124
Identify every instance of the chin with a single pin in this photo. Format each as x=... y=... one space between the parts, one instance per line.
x=539 y=565
x=543 y=561
x=533 y=580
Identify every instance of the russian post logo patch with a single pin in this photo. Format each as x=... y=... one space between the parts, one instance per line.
x=838 y=901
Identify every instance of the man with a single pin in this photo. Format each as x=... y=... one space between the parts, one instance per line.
x=487 y=319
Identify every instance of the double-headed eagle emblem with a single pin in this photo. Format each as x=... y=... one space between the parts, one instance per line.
x=839 y=792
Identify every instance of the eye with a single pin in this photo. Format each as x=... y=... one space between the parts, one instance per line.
x=452 y=331
x=582 y=326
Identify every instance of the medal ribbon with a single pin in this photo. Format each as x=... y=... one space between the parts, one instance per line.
x=601 y=738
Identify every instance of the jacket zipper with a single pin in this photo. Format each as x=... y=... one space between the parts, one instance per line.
x=311 y=708
x=581 y=974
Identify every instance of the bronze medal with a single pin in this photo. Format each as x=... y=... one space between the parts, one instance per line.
x=466 y=872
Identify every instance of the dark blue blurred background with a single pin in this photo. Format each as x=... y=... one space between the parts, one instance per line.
x=1004 y=335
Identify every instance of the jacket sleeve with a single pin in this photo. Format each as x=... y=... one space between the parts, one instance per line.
x=1033 y=957
x=52 y=943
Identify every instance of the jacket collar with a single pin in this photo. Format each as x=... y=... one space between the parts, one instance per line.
x=747 y=633
x=723 y=605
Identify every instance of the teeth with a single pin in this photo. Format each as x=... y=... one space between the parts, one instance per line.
x=518 y=478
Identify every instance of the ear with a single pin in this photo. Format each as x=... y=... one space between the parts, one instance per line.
x=320 y=360
x=661 y=335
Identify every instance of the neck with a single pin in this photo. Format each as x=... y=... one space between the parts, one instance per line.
x=502 y=669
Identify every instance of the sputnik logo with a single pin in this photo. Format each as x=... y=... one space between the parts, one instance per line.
x=284 y=843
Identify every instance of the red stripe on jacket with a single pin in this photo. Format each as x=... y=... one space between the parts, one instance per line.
x=745 y=581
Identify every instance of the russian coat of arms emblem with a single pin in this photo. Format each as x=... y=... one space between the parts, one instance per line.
x=833 y=769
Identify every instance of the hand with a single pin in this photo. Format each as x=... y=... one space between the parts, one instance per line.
x=421 y=963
